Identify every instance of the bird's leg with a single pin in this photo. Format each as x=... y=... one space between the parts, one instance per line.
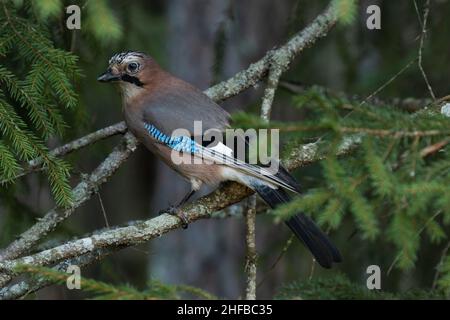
x=175 y=209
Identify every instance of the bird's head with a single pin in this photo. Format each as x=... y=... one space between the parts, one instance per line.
x=128 y=69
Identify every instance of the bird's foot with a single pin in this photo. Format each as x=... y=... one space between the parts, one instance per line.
x=175 y=211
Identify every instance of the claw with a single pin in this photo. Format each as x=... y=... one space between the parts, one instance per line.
x=174 y=211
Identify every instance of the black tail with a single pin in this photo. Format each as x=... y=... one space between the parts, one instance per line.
x=303 y=227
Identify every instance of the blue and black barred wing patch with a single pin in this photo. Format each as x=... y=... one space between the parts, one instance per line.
x=180 y=143
x=220 y=155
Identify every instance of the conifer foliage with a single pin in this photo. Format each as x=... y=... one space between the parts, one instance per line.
x=37 y=86
x=394 y=186
x=105 y=291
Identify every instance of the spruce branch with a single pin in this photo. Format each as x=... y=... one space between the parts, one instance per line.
x=49 y=73
x=82 y=192
x=28 y=286
x=77 y=144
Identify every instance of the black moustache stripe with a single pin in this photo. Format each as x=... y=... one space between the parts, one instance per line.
x=132 y=80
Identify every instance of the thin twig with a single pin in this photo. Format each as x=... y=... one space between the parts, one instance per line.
x=35 y=164
x=417 y=234
x=388 y=82
x=439 y=265
x=416 y=7
x=103 y=209
x=277 y=260
x=432 y=149
x=422 y=38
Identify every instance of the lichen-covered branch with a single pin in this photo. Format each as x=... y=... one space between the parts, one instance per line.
x=311 y=152
x=82 y=192
x=282 y=56
x=143 y=231
x=29 y=286
x=269 y=92
x=35 y=164
x=112 y=130
x=251 y=255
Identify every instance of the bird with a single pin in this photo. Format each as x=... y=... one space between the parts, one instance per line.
x=157 y=104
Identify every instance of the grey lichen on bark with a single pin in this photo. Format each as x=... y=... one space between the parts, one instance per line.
x=284 y=55
x=251 y=257
x=143 y=231
x=229 y=194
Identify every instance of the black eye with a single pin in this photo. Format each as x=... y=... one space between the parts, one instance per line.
x=133 y=66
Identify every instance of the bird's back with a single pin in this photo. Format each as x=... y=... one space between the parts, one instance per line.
x=170 y=103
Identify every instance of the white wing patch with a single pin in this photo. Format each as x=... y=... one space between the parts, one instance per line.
x=220 y=148
x=261 y=173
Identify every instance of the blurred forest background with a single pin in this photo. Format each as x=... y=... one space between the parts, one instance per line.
x=205 y=42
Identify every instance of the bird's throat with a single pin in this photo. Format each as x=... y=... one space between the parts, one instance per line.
x=130 y=91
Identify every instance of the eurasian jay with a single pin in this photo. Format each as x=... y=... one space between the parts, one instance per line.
x=155 y=104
